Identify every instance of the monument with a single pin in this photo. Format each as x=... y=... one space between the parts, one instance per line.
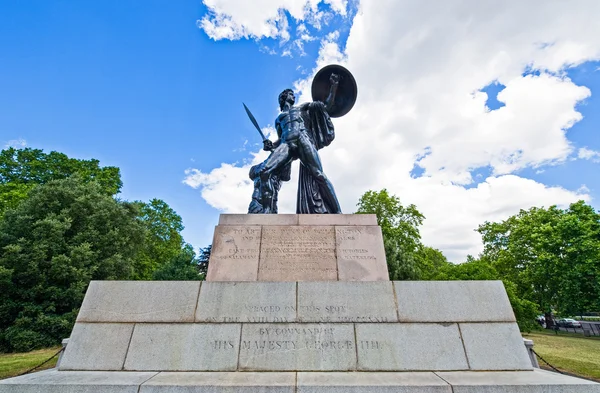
x=296 y=303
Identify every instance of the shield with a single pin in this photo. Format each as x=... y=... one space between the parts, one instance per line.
x=346 y=93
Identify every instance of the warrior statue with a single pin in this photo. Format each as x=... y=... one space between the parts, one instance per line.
x=302 y=131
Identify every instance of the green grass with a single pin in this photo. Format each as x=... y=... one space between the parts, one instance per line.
x=13 y=364
x=568 y=352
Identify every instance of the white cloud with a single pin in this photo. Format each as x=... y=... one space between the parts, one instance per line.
x=258 y=19
x=420 y=75
x=588 y=154
x=16 y=143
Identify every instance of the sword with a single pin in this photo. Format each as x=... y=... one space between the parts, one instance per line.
x=253 y=120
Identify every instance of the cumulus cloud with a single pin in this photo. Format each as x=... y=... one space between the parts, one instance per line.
x=421 y=106
x=263 y=18
x=16 y=143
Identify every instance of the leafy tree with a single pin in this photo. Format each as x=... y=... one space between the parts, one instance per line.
x=552 y=255
x=203 y=260
x=430 y=262
x=22 y=169
x=163 y=241
x=183 y=266
x=64 y=234
x=400 y=229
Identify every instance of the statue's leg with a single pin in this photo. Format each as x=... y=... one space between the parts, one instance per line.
x=310 y=158
x=280 y=157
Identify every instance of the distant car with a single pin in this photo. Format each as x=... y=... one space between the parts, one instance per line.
x=568 y=322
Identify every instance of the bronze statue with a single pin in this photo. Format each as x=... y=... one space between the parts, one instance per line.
x=302 y=131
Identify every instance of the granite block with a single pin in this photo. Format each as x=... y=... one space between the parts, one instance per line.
x=495 y=346
x=247 y=302
x=258 y=219
x=409 y=347
x=360 y=254
x=339 y=301
x=537 y=381
x=294 y=253
x=53 y=381
x=226 y=382
x=453 y=301
x=337 y=219
x=234 y=255
x=367 y=382
x=139 y=301
x=97 y=346
x=297 y=347
x=184 y=347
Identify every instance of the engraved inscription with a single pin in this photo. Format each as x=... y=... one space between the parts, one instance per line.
x=370 y=345
x=300 y=252
x=278 y=347
x=258 y=313
x=337 y=313
x=232 y=249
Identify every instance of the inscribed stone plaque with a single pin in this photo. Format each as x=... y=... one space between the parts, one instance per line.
x=297 y=347
x=453 y=301
x=409 y=346
x=183 y=347
x=258 y=219
x=339 y=301
x=297 y=253
x=360 y=253
x=140 y=301
x=234 y=255
x=247 y=302
x=97 y=346
x=503 y=340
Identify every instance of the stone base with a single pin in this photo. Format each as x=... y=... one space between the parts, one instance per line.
x=297 y=247
x=537 y=381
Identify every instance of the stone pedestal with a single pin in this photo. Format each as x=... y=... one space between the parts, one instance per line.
x=265 y=323
x=297 y=247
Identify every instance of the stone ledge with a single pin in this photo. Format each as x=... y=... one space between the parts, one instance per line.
x=537 y=381
x=53 y=381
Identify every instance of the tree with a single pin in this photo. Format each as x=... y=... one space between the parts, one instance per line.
x=64 y=234
x=183 y=266
x=203 y=260
x=552 y=255
x=400 y=229
x=163 y=241
x=22 y=169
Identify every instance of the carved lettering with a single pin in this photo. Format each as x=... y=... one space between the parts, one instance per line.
x=298 y=252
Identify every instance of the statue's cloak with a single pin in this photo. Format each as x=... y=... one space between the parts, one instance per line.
x=320 y=130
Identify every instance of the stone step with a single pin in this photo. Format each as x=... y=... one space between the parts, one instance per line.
x=537 y=381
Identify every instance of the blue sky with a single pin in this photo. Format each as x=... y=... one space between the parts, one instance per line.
x=140 y=86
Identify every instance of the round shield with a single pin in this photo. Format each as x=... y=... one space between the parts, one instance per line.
x=347 y=91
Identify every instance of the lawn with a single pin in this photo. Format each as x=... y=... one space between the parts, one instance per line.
x=13 y=364
x=570 y=353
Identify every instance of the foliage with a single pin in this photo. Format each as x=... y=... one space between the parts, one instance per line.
x=552 y=255
x=163 y=242
x=400 y=229
x=22 y=169
x=183 y=266
x=66 y=233
x=203 y=260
